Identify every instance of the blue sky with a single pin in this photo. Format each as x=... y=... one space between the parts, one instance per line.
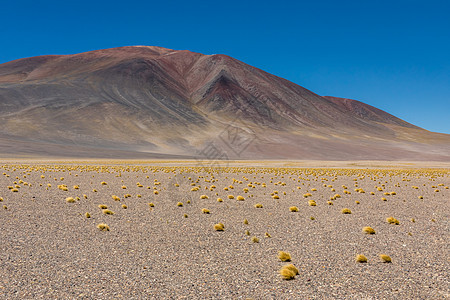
x=393 y=55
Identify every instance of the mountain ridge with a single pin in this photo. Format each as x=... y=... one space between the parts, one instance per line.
x=146 y=99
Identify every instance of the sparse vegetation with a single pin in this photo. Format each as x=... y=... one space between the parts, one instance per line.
x=361 y=258
x=392 y=220
x=288 y=272
x=385 y=258
x=368 y=230
x=103 y=227
x=70 y=200
x=255 y=239
x=219 y=227
x=284 y=256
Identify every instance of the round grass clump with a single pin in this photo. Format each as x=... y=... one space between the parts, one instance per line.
x=361 y=258
x=219 y=227
x=288 y=272
x=258 y=205
x=368 y=230
x=346 y=211
x=284 y=256
x=255 y=239
x=103 y=227
x=293 y=209
x=385 y=258
x=70 y=200
x=392 y=220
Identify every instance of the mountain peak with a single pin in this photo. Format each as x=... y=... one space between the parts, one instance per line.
x=156 y=101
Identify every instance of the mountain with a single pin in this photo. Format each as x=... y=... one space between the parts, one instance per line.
x=146 y=102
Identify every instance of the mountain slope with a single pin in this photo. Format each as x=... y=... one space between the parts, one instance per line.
x=152 y=101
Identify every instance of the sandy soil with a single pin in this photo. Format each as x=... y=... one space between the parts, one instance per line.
x=50 y=250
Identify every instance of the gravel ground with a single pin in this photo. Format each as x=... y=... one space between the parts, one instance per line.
x=50 y=250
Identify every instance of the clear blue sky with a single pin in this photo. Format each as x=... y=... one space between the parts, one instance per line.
x=394 y=55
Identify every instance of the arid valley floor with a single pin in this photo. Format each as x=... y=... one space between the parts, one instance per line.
x=162 y=242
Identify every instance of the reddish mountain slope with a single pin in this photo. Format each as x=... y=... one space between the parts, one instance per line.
x=157 y=101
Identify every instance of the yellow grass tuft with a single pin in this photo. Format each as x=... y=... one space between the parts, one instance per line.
x=368 y=230
x=258 y=205
x=103 y=227
x=385 y=258
x=70 y=200
x=108 y=212
x=205 y=211
x=87 y=215
x=392 y=220
x=284 y=256
x=293 y=209
x=346 y=211
x=219 y=227
x=312 y=203
x=219 y=200
x=203 y=197
x=288 y=273
x=115 y=198
x=230 y=197
x=245 y=221
x=240 y=198
x=361 y=258
x=124 y=206
x=255 y=239
x=102 y=206
x=179 y=204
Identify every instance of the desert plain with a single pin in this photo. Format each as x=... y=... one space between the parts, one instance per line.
x=161 y=240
